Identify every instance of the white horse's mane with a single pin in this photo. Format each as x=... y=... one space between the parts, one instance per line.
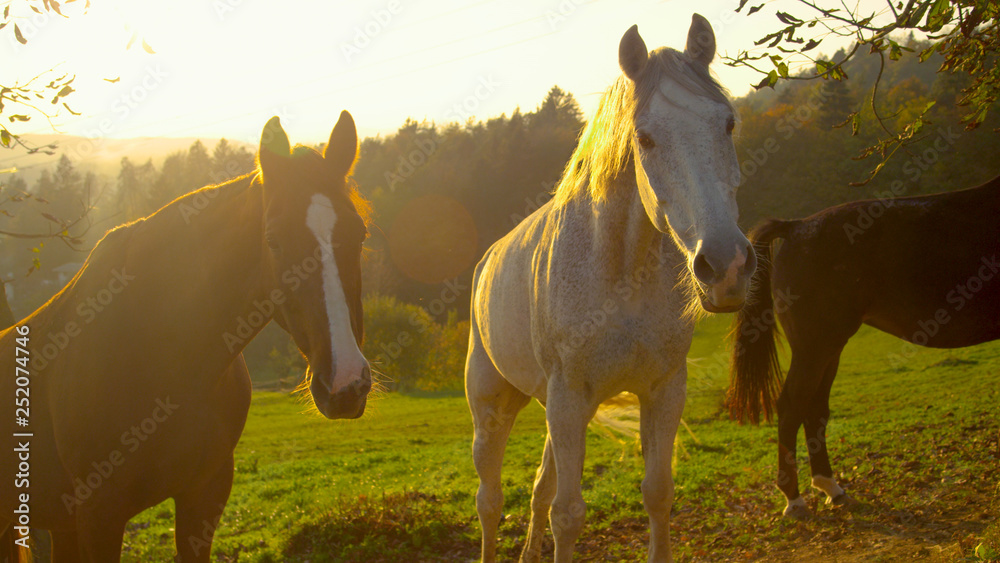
x=605 y=144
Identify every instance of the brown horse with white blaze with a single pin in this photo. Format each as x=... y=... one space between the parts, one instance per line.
x=137 y=387
x=927 y=270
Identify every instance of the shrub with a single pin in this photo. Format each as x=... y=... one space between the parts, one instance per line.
x=410 y=349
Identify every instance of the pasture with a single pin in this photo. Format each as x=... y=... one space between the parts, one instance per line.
x=915 y=438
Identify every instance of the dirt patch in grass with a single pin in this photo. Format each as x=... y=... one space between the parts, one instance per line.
x=939 y=506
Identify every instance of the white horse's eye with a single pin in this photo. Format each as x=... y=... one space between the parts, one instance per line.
x=730 y=125
x=644 y=140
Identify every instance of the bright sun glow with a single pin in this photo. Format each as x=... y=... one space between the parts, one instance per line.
x=223 y=67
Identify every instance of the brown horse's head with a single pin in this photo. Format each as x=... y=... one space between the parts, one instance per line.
x=314 y=232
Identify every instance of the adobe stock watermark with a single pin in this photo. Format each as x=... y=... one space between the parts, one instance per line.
x=121 y=108
x=424 y=146
x=87 y=311
x=208 y=529
x=913 y=169
x=191 y=207
x=392 y=350
x=247 y=326
x=409 y=163
x=364 y=34
x=131 y=440
x=785 y=128
x=562 y=12
x=465 y=109
x=223 y=8
x=958 y=298
x=534 y=204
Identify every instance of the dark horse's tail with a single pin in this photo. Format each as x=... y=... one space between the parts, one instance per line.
x=754 y=370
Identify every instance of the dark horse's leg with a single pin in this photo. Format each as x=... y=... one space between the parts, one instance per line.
x=804 y=400
x=817 y=418
x=199 y=510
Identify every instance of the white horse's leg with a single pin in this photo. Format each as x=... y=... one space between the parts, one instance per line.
x=567 y=414
x=494 y=403
x=659 y=419
x=541 y=500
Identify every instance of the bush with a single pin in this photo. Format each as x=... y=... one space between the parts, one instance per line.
x=410 y=349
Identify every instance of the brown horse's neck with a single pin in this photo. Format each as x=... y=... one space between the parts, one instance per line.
x=178 y=280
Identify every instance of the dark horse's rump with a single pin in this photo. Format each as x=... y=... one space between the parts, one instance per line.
x=925 y=269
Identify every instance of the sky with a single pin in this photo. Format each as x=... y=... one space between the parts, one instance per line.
x=221 y=68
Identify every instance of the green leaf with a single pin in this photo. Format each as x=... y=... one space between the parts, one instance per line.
x=855 y=124
x=894 y=51
x=147 y=48
x=754 y=9
x=5 y=138
x=783 y=70
x=939 y=15
x=810 y=45
x=17 y=35
x=926 y=53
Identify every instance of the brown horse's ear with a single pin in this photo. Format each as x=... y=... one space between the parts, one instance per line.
x=701 y=40
x=342 y=149
x=632 y=54
x=273 y=143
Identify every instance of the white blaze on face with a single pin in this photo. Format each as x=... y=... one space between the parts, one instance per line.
x=348 y=361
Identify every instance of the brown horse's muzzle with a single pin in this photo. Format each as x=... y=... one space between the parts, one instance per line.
x=347 y=402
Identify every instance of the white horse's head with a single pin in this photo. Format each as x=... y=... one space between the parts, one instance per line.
x=685 y=161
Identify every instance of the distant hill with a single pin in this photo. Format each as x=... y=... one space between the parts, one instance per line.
x=100 y=156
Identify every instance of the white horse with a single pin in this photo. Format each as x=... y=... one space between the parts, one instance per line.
x=593 y=294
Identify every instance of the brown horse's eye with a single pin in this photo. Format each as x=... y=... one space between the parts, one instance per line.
x=730 y=125
x=644 y=140
x=272 y=242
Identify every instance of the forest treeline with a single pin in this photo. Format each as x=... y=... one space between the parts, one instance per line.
x=442 y=193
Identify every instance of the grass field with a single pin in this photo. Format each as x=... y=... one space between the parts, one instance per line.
x=916 y=442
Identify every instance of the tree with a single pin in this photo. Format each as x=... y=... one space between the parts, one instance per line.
x=229 y=162
x=965 y=33
x=197 y=167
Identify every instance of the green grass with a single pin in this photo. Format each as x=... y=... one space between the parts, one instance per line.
x=916 y=442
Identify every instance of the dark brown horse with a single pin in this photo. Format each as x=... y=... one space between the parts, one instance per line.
x=925 y=269
x=138 y=390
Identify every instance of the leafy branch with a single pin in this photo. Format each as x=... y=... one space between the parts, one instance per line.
x=18 y=101
x=965 y=33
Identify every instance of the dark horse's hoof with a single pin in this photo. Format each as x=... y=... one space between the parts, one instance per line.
x=843 y=500
x=798 y=512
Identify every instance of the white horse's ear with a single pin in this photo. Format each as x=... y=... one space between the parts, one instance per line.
x=701 y=40
x=632 y=54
